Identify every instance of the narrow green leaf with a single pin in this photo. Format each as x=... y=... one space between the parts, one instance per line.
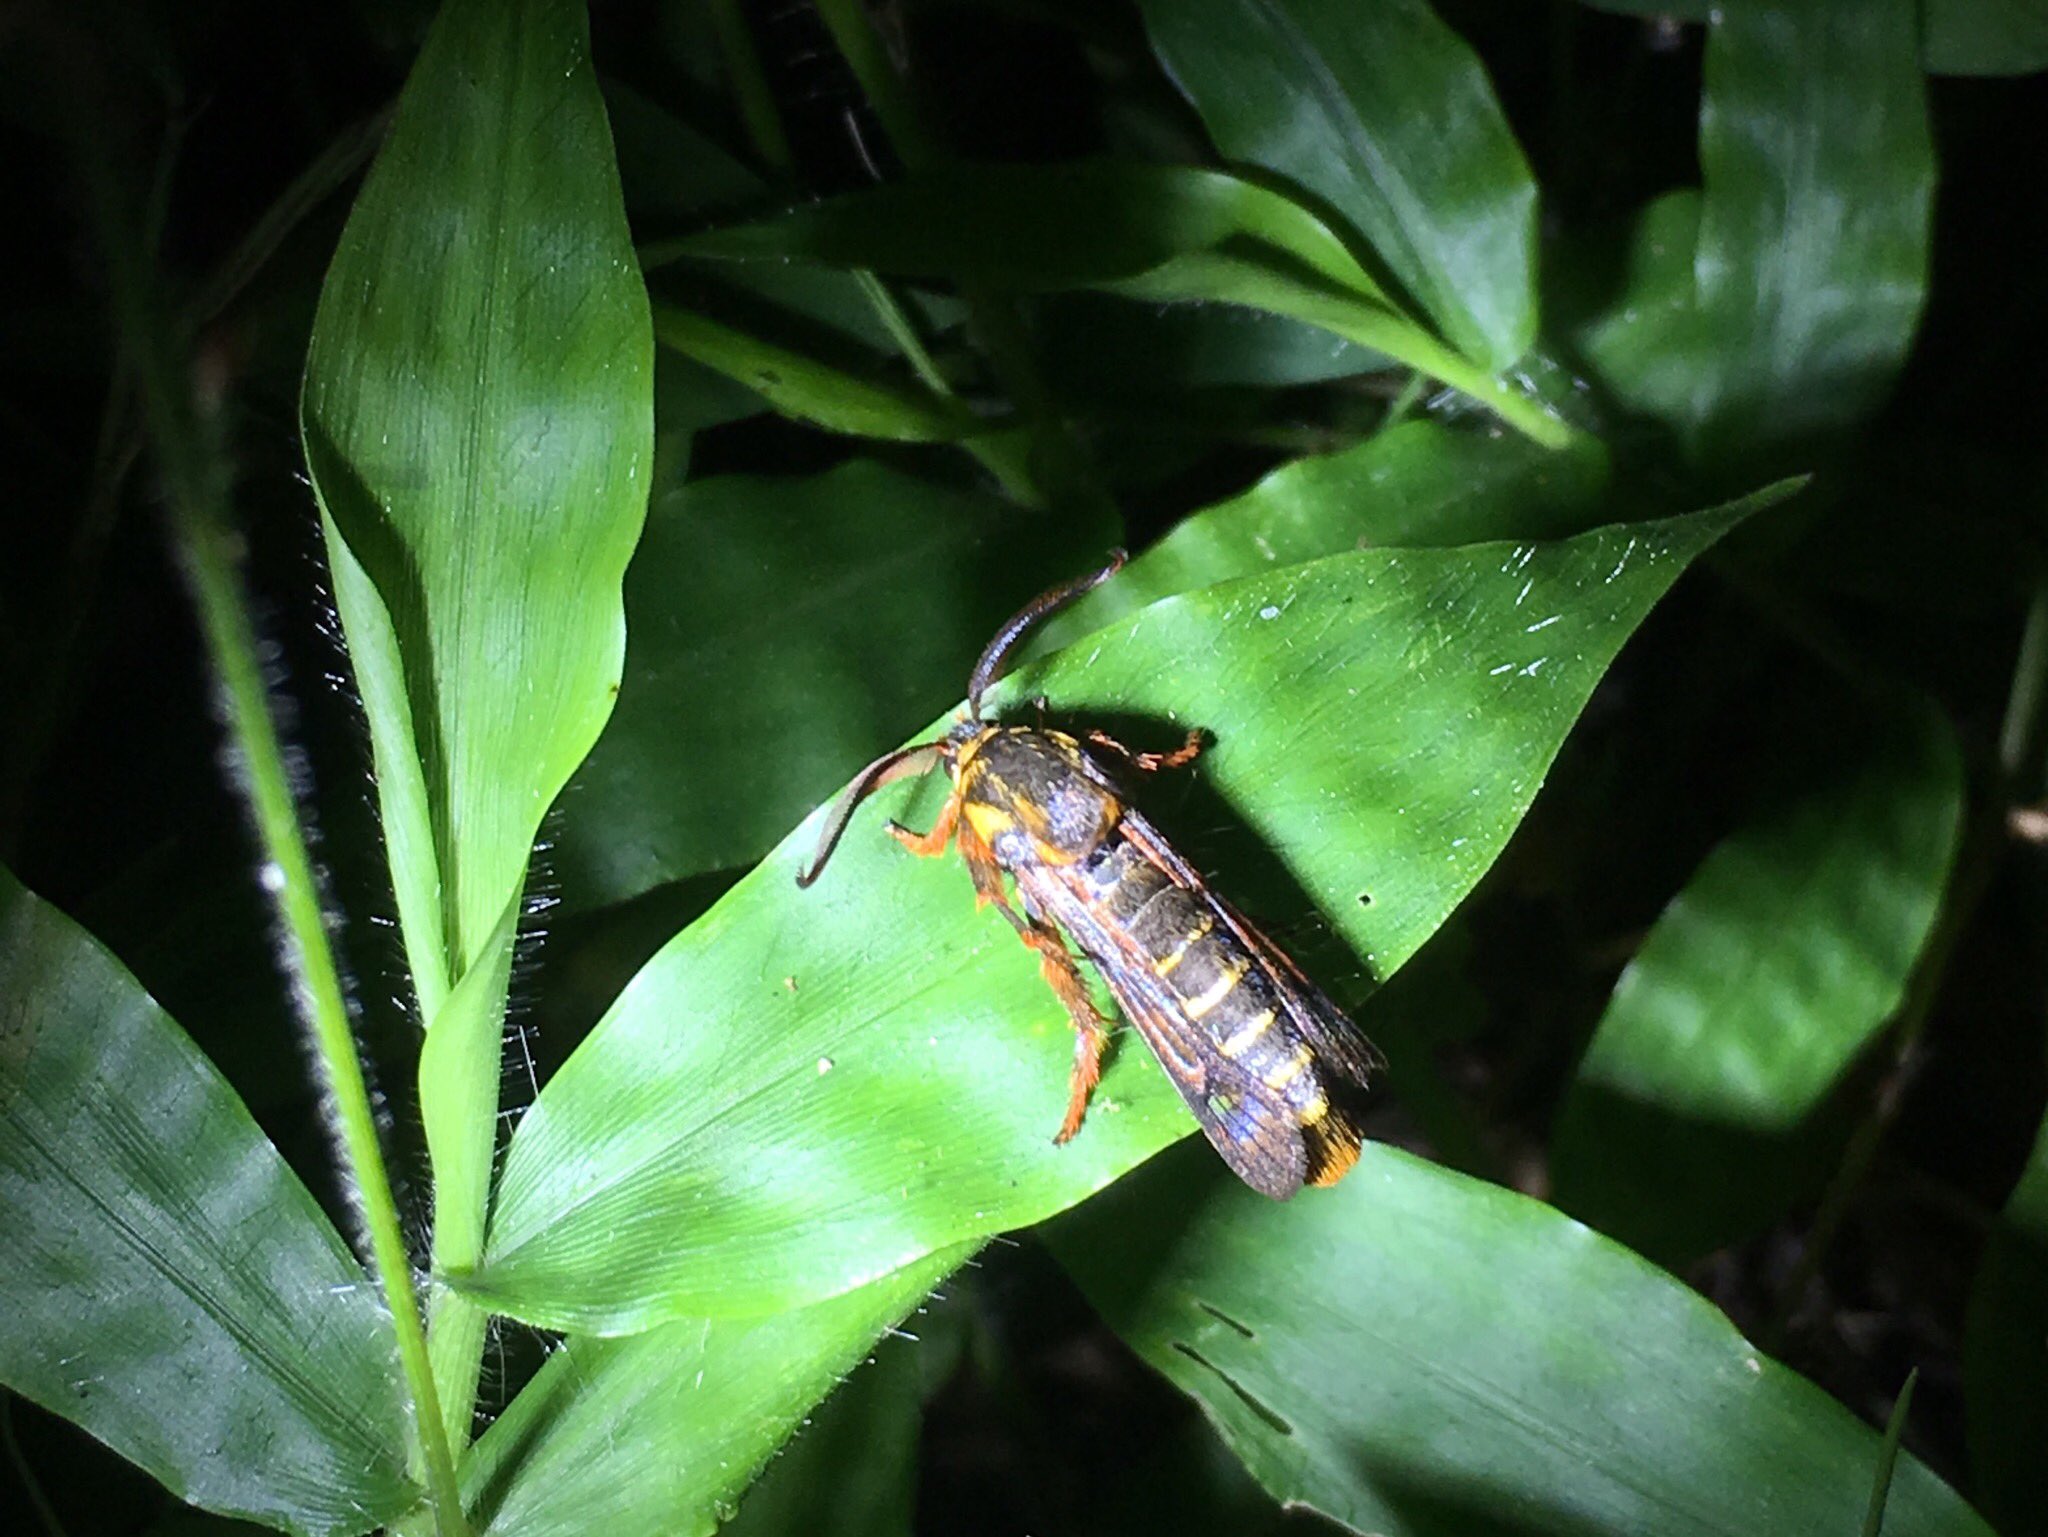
x=1689 y=1122
x=2005 y=1356
x=1888 y=1457
x=478 y=422
x=1414 y=1352
x=812 y=390
x=1165 y=233
x=1383 y=114
x=784 y=632
x=659 y=1433
x=170 y=1286
x=807 y=1090
x=477 y=417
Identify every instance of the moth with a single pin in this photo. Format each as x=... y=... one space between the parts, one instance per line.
x=1270 y=1067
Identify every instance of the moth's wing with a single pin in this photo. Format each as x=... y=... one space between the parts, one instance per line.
x=1251 y=1125
x=1329 y=1032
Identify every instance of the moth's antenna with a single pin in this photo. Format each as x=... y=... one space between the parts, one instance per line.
x=887 y=769
x=990 y=667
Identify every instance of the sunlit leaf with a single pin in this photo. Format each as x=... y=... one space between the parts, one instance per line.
x=1414 y=1352
x=659 y=1433
x=807 y=1090
x=169 y=1285
x=1384 y=115
x=1688 y=1124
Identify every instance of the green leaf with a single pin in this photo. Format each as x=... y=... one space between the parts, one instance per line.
x=1957 y=37
x=852 y=1470
x=478 y=421
x=825 y=619
x=660 y=1432
x=478 y=415
x=1414 y=1352
x=1692 y=1120
x=1415 y=485
x=1383 y=114
x=810 y=389
x=1811 y=261
x=806 y=1090
x=2005 y=1355
x=1985 y=37
x=1163 y=233
x=170 y=1286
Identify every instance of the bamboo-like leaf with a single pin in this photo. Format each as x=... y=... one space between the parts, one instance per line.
x=807 y=1090
x=1417 y=1353
x=1382 y=113
x=660 y=1433
x=169 y=1285
x=1164 y=233
x=478 y=421
x=2005 y=1355
x=1689 y=1123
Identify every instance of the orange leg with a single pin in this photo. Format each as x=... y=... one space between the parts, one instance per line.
x=933 y=842
x=1091 y=1032
x=1152 y=762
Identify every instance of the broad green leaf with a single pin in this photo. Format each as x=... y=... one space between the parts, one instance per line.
x=810 y=389
x=1416 y=484
x=807 y=1090
x=1413 y=1352
x=1810 y=264
x=1691 y=1120
x=660 y=1432
x=1385 y=116
x=1167 y=234
x=2005 y=1356
x=1106 y=349
x=1816 y=223
x=783 y=632
x=1652 y=349
x=478 y=421
x=170 y=1287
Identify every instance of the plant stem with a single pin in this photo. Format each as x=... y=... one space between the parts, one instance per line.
x=750 y=88
x=194 y=483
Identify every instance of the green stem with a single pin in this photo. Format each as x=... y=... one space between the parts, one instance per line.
x=195 y=480
x=750 y=88
x=2019 y=735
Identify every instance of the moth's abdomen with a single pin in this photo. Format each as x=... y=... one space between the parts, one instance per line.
x=1219 y=984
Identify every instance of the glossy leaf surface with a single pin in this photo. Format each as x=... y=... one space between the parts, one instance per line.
x=1789 y=949
x=807 y=1090
x=751 y=700
x=1413 y=1352
x=660 y=1433
x=1385 y=116
x=169 y=1285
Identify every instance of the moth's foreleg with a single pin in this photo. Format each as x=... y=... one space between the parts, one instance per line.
x=1152 y=762
x=934 y=842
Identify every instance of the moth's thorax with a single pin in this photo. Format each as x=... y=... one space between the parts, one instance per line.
x=1031 y=795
